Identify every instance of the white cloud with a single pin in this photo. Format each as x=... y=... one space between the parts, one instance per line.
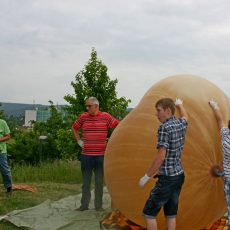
x=43 y=44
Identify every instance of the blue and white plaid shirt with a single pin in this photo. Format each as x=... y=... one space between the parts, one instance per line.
x=225 y=138
x=171 y=136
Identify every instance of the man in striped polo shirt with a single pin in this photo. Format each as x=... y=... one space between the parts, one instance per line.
x=94 y=125
x=225 y=139
x=167 y=164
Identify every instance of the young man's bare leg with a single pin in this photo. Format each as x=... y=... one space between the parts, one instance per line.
x=151 y=224
x=171 y=223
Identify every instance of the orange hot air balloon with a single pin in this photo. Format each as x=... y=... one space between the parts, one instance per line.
x=132 y=148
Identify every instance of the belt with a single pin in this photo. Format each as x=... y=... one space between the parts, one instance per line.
x=168 y=177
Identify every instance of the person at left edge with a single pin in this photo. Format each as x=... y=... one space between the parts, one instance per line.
x=94 y=125
x=4 y=167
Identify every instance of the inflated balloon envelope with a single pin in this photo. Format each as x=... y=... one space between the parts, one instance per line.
x=132 y=147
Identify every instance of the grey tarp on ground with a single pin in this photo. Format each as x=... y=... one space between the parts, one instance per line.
x=61 y=215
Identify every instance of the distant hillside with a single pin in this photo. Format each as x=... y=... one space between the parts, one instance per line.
x=17 y=109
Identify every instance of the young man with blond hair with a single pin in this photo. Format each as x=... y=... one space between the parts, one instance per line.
x=167 y=165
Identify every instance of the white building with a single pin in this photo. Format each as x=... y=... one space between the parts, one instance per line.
x=30 y=115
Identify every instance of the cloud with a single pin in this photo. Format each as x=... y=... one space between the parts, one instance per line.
x=43 y=44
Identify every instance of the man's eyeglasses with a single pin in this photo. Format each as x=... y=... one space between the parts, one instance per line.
x=89 y=106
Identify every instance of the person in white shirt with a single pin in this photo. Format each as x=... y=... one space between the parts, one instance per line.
x=225 y=139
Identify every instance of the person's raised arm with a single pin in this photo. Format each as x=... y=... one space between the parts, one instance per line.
x=213 y=104
x=182 y=110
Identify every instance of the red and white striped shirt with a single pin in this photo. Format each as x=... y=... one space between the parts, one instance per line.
x=94 y=131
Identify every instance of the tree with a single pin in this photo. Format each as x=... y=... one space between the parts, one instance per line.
x=93 y=80
x=29 y=147
x=24 y=147
x=50 y=128
x=2 y=114
x=66 y=144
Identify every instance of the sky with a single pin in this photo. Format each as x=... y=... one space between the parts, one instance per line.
x=45 y=43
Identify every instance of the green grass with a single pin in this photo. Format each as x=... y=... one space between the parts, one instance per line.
x=52 y=180
x=58 y=171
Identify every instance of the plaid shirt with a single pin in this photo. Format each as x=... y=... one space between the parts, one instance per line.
x=171 y=136
x=225 y=138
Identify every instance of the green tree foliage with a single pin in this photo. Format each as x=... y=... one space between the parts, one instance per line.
x=93 y=80
x=24 y=148
x=30 y=148
x=2 y=114
x=66 y=144
x=55 y=122
x=52 y=125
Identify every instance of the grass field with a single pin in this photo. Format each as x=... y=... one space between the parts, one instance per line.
x=52 y=180
x=57 y=171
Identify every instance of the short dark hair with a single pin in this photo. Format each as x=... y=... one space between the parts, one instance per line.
x=166 y=103
x=229 y=124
